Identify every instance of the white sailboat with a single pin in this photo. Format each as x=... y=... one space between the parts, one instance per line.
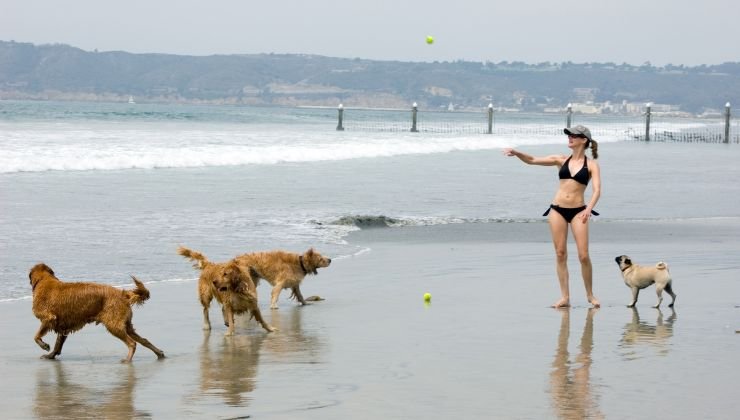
x=131 y=99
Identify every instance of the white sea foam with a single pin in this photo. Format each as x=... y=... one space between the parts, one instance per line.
x=53 y=147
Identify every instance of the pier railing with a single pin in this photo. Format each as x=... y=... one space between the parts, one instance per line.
x=649 y=126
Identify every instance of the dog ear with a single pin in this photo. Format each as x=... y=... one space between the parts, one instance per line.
x=310 y=252
x=39 y=267
x=236 y=277
x=627 y=261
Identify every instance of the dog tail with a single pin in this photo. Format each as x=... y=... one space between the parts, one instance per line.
x=200 y=261
x=139 y=295
x=661 y=266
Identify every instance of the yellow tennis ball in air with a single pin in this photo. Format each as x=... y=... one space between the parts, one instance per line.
x=427 y=297
x=430 y=39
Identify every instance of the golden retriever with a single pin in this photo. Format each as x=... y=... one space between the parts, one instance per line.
x=67 y=307
x=283 y=270
x=230 y=285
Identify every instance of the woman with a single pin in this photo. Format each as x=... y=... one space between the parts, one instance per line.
x=569 y=205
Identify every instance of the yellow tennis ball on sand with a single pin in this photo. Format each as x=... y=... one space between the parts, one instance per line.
x=430 y=39
x=427 y=297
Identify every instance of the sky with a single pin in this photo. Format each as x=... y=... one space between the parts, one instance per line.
x=661 y=32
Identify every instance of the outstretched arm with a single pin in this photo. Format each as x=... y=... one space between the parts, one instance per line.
x=551 y=160
x=596 y=194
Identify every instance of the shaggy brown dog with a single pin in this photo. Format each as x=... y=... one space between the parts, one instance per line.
x=67 y=307
x=283 y=270
x=230 y=285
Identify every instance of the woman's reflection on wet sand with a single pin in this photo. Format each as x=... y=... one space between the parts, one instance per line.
x=570 y=382
x=638 y=333
x=63 y=393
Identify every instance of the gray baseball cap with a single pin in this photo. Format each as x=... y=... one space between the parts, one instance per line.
x=579 y=130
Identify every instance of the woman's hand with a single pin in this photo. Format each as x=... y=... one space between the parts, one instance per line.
x=509 y=152
x=585 y=215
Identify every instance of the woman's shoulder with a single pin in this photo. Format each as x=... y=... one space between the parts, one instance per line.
x=560 y=159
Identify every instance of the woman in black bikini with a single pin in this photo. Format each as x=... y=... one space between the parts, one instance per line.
x=569 y=205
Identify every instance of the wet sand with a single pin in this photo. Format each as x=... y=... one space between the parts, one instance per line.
x=487 y=346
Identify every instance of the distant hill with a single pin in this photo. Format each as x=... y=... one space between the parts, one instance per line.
x=57 y=71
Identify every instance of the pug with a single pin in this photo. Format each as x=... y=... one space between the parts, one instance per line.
x=637 y=277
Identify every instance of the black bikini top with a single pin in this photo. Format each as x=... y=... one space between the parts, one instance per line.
x=582 y=176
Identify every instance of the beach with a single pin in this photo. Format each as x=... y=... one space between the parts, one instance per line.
x=99 y=197
x=487 y=346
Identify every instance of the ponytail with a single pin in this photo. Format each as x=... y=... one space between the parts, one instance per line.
x=594 y=149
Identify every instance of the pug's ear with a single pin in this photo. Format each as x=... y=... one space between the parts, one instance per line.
x=628 y=261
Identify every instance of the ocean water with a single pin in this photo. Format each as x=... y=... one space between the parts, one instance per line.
x=101 y=191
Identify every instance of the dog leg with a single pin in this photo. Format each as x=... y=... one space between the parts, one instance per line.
x=635 y=293
x=206 y=319
x=205 y=301
x=659 y=292
x=258 y=317
x=275 y=295
x=43 y=329
x=144 y=342
x=61 y=338
x=669 y=290
x=226 y=318
x=299 y=296
x=121 y=334
x=229 y=317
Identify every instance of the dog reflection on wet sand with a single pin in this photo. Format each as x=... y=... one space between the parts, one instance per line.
x=638 y=332
x=295 y=344
x=570 y=382
x=228 y=368
x=64 y=391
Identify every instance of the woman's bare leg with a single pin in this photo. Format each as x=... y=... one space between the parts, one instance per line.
x=580 y=234
x=559 y=231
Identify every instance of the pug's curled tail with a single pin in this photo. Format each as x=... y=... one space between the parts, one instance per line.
x=661 y=266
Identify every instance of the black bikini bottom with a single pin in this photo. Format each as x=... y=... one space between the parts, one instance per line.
x=568 y=213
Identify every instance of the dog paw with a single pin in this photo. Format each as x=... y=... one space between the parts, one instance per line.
x=49 y=356
x=45 y=346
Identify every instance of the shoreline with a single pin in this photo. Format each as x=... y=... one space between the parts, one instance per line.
x=716 y=230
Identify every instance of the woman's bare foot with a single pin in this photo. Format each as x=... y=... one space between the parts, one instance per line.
x=593 y=301
x=562 y=303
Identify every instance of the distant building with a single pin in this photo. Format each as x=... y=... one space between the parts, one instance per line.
x=584 y=95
